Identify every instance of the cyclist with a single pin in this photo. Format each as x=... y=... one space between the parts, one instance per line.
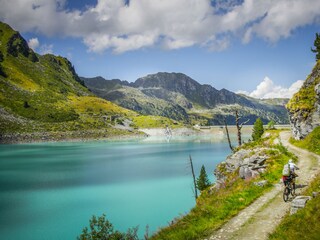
x=293 y=167
x=289 y=172
x=293 y=174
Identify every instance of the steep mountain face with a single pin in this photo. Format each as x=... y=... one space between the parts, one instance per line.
x=304 y=106
x=179 y=97
x=147 y=101
x=202 y=95
x=44 y=93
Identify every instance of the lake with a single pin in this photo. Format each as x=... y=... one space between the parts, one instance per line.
x=51 y=190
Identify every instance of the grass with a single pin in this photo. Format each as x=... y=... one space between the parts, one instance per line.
x=311 y=142
x=142 y=121
x=214 y=209
x=304 y=224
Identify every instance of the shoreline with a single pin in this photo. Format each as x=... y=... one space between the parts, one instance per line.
x=71 y=136
x=103 y=135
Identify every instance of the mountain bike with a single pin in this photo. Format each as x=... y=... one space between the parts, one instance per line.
x=290 y=188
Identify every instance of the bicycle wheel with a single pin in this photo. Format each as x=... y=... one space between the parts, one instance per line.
x=286 y=193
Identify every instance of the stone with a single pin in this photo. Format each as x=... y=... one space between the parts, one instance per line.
x=315 y=194
x=245 y=161
x=258 y=167
x=241 y=172
x=247 y=173
x=261 y=159
x=298 y=203
x=261 y=183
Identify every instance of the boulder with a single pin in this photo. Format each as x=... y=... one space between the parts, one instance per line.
x=250 y=164
x=298 y=203
x=236 y=160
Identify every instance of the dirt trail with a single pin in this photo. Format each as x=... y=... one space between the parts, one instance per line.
x=261 y=217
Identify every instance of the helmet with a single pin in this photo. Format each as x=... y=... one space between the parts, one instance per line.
x=290 y=160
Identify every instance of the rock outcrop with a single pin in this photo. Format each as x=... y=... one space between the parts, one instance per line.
x=248 y=163
x=304 y=107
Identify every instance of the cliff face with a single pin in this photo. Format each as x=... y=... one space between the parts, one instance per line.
x=304 y=107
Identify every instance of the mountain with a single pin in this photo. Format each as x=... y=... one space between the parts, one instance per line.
x=44 y=94
x=177 y=96
x=304 y=106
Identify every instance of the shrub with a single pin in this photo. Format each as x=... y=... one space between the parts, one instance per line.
x=102 y=229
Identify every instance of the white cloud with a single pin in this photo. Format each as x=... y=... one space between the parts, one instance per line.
x=46 y=49
x=172 y=24
x=285 y=16
x=267 y=89
x=33 y=43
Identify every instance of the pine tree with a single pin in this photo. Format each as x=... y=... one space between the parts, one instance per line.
x=317 y=46
x=257 y=130
x=203 y=181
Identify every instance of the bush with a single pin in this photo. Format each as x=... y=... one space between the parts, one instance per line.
x=102 y=229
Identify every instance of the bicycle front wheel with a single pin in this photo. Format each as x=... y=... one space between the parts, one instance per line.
x=286 y=193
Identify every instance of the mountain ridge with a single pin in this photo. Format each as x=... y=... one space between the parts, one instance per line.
x=186 y=99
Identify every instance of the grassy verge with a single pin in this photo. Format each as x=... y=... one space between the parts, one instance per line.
x=311 y=142
x=215 y=208
x=305 y=223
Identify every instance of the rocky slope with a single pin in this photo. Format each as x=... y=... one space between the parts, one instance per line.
x=304 y=107
x=44 y=94
x=179 y=97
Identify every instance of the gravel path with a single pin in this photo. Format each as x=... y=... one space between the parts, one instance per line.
x=262 y=216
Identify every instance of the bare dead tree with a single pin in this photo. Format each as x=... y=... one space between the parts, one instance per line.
x=239 y=126
x=194 y=178
x=229 y=141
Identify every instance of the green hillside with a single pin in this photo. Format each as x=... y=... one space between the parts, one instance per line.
x=44 y=94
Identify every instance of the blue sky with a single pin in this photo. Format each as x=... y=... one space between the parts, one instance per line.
x=261 y=47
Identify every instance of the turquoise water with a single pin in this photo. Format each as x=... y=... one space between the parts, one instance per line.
x=51 y=190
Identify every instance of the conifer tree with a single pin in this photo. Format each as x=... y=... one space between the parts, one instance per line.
x=317 y=46
x=257 y=130
x=203 y=181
